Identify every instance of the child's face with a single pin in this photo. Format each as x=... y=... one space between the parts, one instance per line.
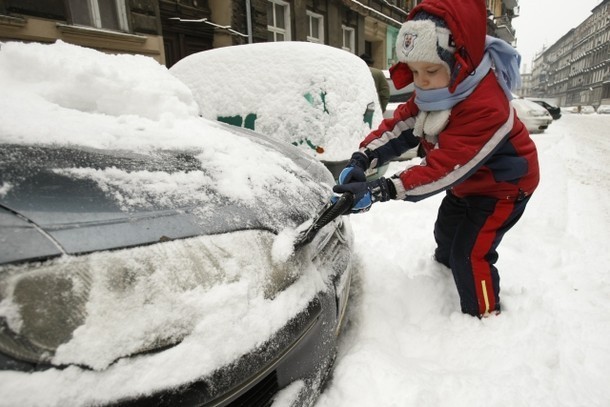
x=429 y=76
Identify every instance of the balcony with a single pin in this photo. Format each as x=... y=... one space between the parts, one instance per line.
x=504 y=29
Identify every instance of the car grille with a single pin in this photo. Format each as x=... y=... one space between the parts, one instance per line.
x=261 y=395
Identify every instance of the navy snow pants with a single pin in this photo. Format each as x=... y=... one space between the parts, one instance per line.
x=468 y=231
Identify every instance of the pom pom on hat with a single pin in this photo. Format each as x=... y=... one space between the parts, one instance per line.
x=426 y=38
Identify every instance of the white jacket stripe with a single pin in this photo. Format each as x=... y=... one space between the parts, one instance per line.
x=397 y=130
x=460 y=172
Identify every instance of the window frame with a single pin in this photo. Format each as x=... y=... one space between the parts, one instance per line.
x=315 y=16
x=121 y=10
x=351 y=47
x=96 y=18
x=274 y=29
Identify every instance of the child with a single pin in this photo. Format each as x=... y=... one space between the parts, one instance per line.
x=477 y=149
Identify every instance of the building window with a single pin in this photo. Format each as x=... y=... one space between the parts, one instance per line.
x=349 y=39
x=108 y=14
x=278 y=21
x=316 y=27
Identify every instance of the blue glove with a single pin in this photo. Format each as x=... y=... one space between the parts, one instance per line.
x=367 y=193
x=354 y=171
x=351 y=174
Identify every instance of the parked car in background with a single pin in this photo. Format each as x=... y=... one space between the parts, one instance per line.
x=555 y=111
x=586 y=109
x=319 y=98
x=397 y=96
x=603 y=109
x=535 y=117
x=138 y=261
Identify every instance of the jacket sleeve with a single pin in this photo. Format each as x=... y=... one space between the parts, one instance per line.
x=463 y=147
x=393 y=137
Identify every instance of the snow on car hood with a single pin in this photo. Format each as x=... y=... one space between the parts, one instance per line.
x=308 y=94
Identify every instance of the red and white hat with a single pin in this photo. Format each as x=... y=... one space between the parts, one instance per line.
x=426 y=39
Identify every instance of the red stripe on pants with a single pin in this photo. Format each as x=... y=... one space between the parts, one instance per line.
x=481 y=269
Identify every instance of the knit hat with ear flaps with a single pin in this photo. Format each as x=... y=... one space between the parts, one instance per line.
x=426 y=38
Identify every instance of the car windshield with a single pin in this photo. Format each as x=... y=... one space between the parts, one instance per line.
x=400 y=97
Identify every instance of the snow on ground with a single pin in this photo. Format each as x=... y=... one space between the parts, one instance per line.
x=407 y=344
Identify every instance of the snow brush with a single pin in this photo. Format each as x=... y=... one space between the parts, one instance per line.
x=290 y=240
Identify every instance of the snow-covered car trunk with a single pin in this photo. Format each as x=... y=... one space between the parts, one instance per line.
x=535 y=117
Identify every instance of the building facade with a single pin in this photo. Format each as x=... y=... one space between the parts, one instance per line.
x=500 y=14
x=500 y=19
x=109 y=26
x=169 y=30
x=358 y=26
x=526 y=85
x=575 y=70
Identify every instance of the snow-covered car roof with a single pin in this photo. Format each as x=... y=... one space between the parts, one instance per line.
x=310 y=95
x=535 y=117
x=524 y=105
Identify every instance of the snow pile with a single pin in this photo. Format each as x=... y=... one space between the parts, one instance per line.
x=65 y=94
x=87 y=96
x=77 y=78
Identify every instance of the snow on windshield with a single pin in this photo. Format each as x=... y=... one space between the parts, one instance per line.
x=312 y=95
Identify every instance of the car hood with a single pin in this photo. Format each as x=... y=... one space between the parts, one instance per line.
x=69 y=199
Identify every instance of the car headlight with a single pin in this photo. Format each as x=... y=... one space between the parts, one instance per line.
x=117 y=303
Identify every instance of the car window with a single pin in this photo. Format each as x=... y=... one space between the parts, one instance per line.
x=399 y=95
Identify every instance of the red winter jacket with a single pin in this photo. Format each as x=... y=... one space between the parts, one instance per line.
x=484 y=149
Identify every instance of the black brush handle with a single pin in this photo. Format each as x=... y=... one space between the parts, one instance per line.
x=340 y=207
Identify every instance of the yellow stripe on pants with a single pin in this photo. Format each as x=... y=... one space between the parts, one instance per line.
x=484 y=287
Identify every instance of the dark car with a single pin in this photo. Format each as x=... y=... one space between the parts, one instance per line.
x=114 y=293
x=555 y=111
x=146 y=255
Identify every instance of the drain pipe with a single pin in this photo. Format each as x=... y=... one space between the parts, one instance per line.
x=249 y=21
